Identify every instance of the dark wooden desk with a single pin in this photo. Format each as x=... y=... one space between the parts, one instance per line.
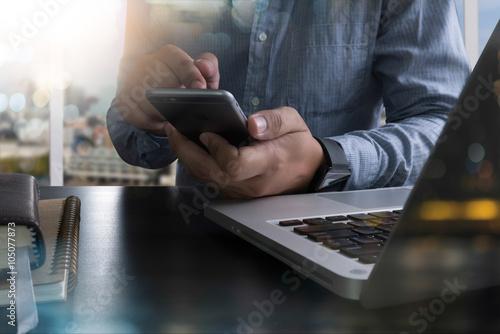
x=143 y=268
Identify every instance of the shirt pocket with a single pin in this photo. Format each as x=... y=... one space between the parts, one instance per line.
x=327 y=68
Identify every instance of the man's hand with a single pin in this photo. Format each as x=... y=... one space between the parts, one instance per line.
x=169 y=67
x=283 y=160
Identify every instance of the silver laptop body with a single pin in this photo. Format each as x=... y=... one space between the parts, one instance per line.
x=447 y=236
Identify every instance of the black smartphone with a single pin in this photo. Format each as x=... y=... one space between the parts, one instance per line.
x=194 y=111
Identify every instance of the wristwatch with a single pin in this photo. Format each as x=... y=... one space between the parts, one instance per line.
x=334 y=174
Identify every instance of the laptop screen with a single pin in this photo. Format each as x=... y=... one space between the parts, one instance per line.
x=449 y=230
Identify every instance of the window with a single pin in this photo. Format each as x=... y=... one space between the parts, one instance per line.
x=478 y=18
x=59 y=62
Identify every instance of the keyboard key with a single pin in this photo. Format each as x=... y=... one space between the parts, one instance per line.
x=357 y=251
x=320 y=228
x=369 y=259
x=313 y=221
x=292 y=222
x=366 y=230
x=321 y=236
x=382 y=236
x=359 y=216
x=362 y=223
x=338 y=243
x=336 y=218
x=316 y=221
x=382 y=221
x=385 y=228
x=384 y=214
x=366 y=239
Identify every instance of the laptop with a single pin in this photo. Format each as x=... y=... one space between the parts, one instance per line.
x=392 y=246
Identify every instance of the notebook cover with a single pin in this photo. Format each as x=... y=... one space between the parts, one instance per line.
x=19 y=204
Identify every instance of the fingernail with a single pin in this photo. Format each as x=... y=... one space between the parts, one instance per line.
x=204 y=139
x=261 y=123
x=206 y=61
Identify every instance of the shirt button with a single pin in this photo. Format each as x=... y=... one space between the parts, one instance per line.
x=262 y=37
x=255 y=101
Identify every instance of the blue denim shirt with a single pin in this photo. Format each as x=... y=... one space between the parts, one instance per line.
x=338 y=63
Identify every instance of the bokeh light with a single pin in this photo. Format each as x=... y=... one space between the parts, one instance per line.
x=17 y=102
x=71 y=113
x=486 y=170
x=4 y=102
x=481 y=209
x=41 y=97
x=27 y=163
x=20 y=129
x=35 y=127
x=208 y=41
x=223 y=40
x=243 y=13
x=211 y=42
x=476 y=152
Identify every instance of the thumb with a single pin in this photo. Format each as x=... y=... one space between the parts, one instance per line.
x=270 y=124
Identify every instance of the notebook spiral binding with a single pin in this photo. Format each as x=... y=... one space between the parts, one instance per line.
x=66 y=250
x=35 y=241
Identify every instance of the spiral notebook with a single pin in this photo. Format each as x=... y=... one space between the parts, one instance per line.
x=60 y=222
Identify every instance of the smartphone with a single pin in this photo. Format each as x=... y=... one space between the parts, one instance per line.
x=194 y=111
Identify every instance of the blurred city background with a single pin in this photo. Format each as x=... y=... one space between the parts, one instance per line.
x=59 y=63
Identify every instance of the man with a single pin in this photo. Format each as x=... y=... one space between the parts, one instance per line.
x=313 y=77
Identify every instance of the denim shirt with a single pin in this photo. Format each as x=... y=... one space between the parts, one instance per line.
x=339 y=63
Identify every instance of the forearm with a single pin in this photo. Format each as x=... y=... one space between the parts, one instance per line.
x=136 y=147
x=392 y=155
x=420 y=63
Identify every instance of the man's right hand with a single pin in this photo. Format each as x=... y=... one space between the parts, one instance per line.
x=169 y=67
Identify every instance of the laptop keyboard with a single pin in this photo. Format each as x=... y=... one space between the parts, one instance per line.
x=358 y=236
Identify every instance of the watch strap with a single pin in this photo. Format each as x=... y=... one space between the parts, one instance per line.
x=336 y=168
x=331 y=148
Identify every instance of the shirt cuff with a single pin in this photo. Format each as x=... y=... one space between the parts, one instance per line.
x=137 y=147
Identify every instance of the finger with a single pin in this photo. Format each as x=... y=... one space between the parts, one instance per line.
x=183 y=67
x=240 y=164
x=270 y=124
x=198 y=163
x=168 y=67
x=225 y=154
x=208 y=65
x=148 y=72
